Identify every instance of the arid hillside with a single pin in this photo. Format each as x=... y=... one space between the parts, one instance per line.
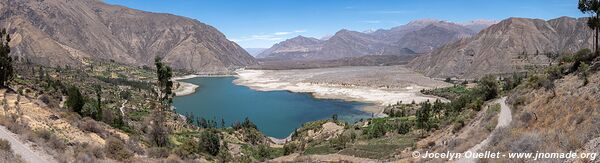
x=562 y=117
x=64 y=32
x=512 y=45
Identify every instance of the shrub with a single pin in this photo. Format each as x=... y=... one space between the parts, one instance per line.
x=210 y=142
x=263 y=152
x=115 y=149
x=375 y=130
x=403 y=127
x=51 y=140
x=158 y=152
x=289 y=148
x=224 y=155
x=526 y=117
x=584 y=72
x=340 y=142
x=526 y=143
x=5 y=145
x=90 y=125
x=459 y=124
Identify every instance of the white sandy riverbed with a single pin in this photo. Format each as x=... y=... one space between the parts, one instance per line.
x=364 y=84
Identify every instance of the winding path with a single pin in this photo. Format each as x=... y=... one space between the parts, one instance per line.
x=123 y=107
x=23 y=149
x=503 y=120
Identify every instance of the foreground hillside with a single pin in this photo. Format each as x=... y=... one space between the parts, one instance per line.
x=65 y=32
x=559 y=116
x=512 y=45
x=108 y=112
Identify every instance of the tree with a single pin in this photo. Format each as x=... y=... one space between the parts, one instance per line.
x=592 y=7
x=423 y=115
x=6 y=67
x=488 y=87
x=248 y=124
x=165 y=99
x=222 y=122
x=98 y=90
x=165 y=85
x=75 y=100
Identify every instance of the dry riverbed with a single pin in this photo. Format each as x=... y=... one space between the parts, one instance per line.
x=381 y=85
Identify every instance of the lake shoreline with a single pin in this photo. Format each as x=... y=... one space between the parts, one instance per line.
x=377 y=98
x=185 y=88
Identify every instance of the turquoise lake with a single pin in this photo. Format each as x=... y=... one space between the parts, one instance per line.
x=276 y=113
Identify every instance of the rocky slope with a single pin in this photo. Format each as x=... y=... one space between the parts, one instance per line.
x=514 y=44
x=419 y=36
x=294 y=48
x=64 y=32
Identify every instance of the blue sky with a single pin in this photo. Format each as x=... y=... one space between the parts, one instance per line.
x=261 y=23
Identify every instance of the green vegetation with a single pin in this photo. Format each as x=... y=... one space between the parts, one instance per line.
x=591 y=7
x=450 y=93
x=165 y=98
x=75 y=100
x=380 y=138
x=6 y=67
x=210 y=142
x=262 y=152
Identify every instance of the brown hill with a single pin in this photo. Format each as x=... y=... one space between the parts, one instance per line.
x=514 y=44
x=65 y=32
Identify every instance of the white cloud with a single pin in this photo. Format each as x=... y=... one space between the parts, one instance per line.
x=267 y=37
x=281 y=33
x=300 y=31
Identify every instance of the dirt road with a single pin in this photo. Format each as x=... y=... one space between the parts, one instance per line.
x=503 y=120
x=24 y=150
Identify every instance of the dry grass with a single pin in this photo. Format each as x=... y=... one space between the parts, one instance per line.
x=546 y=122
x=115 y=149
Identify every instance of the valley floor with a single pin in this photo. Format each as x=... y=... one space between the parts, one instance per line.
x=381 y=85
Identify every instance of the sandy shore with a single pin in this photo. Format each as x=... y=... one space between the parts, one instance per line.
x=183 y=88
x=378 y=85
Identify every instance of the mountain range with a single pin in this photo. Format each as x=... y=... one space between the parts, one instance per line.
x=416 y=37
x=511 y=45
x=67 y=32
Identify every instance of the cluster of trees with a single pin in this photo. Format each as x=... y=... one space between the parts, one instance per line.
x=92 y=107
x=123 y=81
x=429 y=115
x=246 y=124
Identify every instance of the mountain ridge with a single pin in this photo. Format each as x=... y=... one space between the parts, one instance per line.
x=415 y=37
x=512 y=45
x=69 y=32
